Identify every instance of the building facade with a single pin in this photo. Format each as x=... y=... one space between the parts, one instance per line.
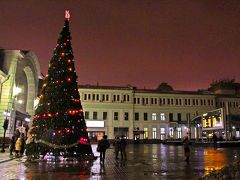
x=153 y=113
x=19 y=75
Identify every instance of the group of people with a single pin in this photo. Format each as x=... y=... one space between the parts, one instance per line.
x=17 y=144
x=119 y=146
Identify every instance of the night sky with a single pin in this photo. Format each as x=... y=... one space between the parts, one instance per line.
x=186 y=43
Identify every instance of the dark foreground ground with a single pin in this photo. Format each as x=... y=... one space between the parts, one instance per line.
x=144 y=161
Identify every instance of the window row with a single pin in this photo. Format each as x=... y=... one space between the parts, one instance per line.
x=172 y=101
x=233 y=104
x=149 y=101
x=106 y=97
x=162 y=133
x=137 y=116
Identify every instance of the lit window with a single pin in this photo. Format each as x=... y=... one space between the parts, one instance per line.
x=162 y=116
x=154 y=116
x=171 y=132
x=179 y=133
x=162 y=130
x=154 y=133
x=162 y=134
x=145 y=135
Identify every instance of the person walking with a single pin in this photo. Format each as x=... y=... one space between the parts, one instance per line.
x=123 y=144
x=12 y=145
x=116 y=145
x=186 y=144
x=18 y=146
x=23 y=144
x=215 y=138
x=16 y=134
x=103 y=145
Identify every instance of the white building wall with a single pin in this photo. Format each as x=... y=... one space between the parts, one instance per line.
x=188 y=104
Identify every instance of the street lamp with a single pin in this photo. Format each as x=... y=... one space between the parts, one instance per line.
x=5 y=126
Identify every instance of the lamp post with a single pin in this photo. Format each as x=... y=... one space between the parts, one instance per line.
x=5 y=126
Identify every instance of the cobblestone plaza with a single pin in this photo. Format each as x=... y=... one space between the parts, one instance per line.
x=144 y=161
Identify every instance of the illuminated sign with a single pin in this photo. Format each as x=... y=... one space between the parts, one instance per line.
x=213 y=120
x=95 y=123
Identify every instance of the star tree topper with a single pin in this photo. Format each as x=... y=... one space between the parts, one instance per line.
x=67 y=14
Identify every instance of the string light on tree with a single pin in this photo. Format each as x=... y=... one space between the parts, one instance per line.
x=58 y=121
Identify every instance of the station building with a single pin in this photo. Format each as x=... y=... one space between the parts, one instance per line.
x=161 y=113
x=19 y=78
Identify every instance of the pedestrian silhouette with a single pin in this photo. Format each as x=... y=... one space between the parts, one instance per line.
x=116 y=145
x=215 y=138
x=103 y=145
x=12 y=145
x=23 y=144
x=186 y=144
x=123 y=144
x=18 y=147
x=16 y=134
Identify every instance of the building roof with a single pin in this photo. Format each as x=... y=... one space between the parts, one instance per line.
x=129 y=87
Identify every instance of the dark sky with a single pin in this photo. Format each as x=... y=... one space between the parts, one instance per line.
x=186 y=43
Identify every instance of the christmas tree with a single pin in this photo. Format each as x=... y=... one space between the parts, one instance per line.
x=59 y=127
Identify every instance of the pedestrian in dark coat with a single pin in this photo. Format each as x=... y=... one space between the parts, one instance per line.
x=116 y=145
x=186 y=144
x=215 y=140
x=16 y=135
x=23 y=144
x=12 y=145
x=123 y=144
x=103 y=145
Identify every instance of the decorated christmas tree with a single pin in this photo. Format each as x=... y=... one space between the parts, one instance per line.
x=59 y=127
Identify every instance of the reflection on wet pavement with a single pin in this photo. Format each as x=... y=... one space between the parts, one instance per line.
x=148 y=161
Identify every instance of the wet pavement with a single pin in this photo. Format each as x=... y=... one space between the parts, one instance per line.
x=144 y=161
